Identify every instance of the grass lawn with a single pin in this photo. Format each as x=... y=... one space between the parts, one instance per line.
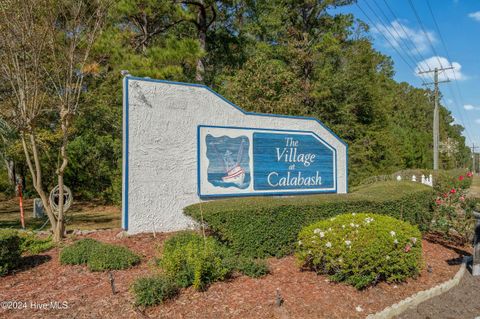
x=475 y=188
x=82 y=215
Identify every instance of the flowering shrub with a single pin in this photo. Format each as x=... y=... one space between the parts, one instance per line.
x=361 y=249
x=453 y=210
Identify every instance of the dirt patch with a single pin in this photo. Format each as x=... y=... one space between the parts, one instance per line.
x=305 y=294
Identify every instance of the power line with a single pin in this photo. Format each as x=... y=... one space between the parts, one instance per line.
x=454 y=73
x=437 y=55
x=387 y=29
x=386 y=38
x=425 y=32
x=422 y=58
x=402 y=39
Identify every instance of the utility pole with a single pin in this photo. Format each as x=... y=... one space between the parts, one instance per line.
x=436 y=131
x=473 y=157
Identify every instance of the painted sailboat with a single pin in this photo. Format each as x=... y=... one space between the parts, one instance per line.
x=235 y=173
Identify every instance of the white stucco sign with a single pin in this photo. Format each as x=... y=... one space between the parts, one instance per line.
x=184 y=143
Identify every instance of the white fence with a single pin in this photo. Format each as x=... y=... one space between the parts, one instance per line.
x=424 y=180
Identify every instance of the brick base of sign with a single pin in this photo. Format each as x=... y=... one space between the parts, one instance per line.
x=419 y=297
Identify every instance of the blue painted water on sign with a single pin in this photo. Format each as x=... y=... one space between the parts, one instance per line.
x=291 y=161
x=229 y=161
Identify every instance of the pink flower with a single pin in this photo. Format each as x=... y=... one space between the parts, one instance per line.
x=462 y=198
x=445 y=195
x=453 y=191
x=438 y=201
x=461 y=178
x=407 y=248
x=469 y=174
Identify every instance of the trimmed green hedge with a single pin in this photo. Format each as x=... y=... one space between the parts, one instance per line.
x=268 y=226
x=10 y=250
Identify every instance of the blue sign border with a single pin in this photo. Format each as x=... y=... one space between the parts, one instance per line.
x=279 y=193
x=126 y=132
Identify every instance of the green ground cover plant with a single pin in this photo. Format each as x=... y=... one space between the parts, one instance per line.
x=268 y=226
x=32 y=244
x=152 y=290
x=361 y=249
x=10 y=250
x=98 y=256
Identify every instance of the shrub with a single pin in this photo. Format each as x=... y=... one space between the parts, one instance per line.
x=31 y=244
x=254 y=268
x=154 y=290
x=112 y=257
x=10 y=251
x=79 y=252
x=194 y=260
x=98 y=256
x=268 y=226
x=453 y=209
x=361 y=249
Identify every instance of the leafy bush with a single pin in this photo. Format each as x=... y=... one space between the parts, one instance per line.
x=453 y=210
x=98 y=256
x=79 y=252
x=10 y=251
x=154 y=290
x=361 y=249
x=254 y=268
x=109 y=257
x=267 y=226
x=194 y=260
x=32 y=244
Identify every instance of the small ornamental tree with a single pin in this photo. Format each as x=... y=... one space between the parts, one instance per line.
x=45 y=59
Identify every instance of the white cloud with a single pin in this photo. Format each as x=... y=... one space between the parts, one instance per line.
x=398 y=34
x=475 y=15
x=470 y=107
x=439 y=62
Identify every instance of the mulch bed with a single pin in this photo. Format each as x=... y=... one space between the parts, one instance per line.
x=305 y=294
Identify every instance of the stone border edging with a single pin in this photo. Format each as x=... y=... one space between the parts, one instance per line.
x=421 y=296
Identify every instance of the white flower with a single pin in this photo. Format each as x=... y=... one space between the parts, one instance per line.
x=392 y=233
x=330 y=229
x=317 y=230
x=387 y=258
x=357 y=225
x=368 y=220
x=343 y=226
x=352 y=225
x=395 y=241
x=340 y=260
x=414 y=240
x=299 y=242
x=348 y=242
x=309 y=251
x=328 y=244
x=353 y=214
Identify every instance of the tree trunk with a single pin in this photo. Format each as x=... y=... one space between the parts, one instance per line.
x=12 y=177
x=59 y=232
x=36 y=174
x=202 y=39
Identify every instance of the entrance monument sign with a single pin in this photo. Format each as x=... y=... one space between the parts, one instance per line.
x=184 y=143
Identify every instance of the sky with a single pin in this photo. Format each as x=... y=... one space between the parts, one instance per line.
x=413 y=38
